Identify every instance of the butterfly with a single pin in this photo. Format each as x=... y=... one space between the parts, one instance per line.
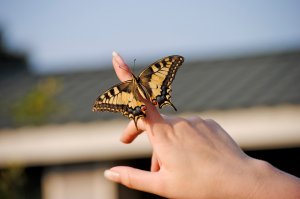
x=153 y=84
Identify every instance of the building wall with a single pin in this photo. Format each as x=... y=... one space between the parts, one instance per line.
x=77 y=182
x=74 y=145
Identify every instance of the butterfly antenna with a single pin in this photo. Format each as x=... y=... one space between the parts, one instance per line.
x=133 y=65
x=125 y=68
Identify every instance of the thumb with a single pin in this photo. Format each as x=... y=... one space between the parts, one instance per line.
x=135 y=178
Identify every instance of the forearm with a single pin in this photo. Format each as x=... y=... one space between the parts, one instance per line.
x=257 y=179
x=274 y=183
x=279 y=184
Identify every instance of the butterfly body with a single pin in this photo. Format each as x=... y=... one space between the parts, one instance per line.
x=153 y=84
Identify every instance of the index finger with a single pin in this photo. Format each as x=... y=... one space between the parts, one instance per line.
x=122 y=70
x=152 y=115
x=124 y=73
x=154 y=125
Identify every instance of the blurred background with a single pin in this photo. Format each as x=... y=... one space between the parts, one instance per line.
x=242 y=68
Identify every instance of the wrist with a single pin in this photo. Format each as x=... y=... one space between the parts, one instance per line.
x=246 y=179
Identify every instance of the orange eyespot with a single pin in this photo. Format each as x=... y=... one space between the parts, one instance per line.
x=154 y=102
x=144 y=108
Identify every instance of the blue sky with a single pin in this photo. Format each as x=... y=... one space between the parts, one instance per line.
x=64 y=34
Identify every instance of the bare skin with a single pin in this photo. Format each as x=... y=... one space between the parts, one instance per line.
x=196 y=158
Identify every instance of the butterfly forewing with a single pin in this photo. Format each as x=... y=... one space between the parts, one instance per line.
x=121 y=98
x=158 y=77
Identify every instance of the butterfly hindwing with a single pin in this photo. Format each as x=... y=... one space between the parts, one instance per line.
x=121 y=98
x=158 y=77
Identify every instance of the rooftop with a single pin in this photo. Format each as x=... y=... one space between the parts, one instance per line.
x=262 y=80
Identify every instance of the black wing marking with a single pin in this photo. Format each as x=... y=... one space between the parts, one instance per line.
x=158 y=77
x=121 y=98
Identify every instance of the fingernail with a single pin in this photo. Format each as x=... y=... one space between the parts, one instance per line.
x=114 y=54
x=112 y=175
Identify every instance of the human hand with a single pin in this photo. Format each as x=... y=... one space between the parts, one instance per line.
x=192 y=158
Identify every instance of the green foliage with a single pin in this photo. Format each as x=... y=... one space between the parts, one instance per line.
x=38 y=105
x=12 y=182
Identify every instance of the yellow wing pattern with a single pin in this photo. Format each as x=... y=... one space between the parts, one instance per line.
x=154 y=83
x=121 y=98
x=157 y=79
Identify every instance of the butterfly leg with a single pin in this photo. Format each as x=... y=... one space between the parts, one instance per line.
x=135 y=122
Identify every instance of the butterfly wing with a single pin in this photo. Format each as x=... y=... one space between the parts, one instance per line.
x=121 y=98
x=158 y=77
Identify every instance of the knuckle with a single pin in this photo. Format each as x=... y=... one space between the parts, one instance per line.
x=129 y=180
x=195 y=119
x=182 y=122
x=210 y=122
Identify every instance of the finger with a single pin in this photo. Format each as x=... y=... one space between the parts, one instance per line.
x=134 y=178
x=124 y=73
x=130 y=132
x=150 y=123
x=155 y=165
x=152 y=114
x=122 y=70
